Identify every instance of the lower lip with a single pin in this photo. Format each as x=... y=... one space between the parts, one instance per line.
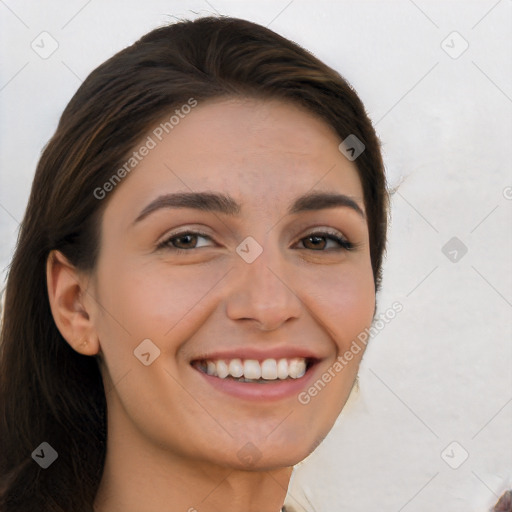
x=268 y=391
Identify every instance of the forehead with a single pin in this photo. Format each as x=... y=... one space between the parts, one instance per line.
x=262 y=152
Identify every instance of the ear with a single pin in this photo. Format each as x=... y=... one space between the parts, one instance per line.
x=66 y=290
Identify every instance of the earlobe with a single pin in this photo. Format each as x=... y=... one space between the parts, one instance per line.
x=66 y=290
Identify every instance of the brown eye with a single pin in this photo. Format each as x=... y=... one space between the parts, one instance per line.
x=185 y=241
x=324 y=241
x=315 y=242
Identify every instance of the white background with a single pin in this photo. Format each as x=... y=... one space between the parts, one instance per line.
x=441 y=370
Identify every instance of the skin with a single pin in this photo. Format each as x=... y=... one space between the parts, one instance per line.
x=173 y=439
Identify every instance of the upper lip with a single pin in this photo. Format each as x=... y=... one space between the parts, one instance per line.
x=260 y=354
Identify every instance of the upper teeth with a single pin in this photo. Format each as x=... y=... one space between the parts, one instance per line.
x=269 y=369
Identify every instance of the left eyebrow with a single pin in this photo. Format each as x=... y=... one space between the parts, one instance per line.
x=321 y=200
x=222 y=203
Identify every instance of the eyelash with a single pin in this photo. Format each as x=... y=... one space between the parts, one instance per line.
x=343 y=242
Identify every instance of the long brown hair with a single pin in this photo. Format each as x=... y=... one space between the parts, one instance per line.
x=48 y=392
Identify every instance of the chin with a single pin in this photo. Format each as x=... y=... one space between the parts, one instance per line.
x=268 y=463
x=281 y=453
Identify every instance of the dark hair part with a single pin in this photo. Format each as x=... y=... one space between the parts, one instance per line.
x=48 y=392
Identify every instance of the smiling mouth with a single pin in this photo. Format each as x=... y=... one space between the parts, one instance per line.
x=254 y=371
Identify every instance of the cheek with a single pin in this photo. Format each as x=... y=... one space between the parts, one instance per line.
x=163 y=304
x=154 y=301
x=343 y=301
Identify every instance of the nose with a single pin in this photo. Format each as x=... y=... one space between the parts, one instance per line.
x=263 y=293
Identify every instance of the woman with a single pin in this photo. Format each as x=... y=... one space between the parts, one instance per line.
x=198 y=259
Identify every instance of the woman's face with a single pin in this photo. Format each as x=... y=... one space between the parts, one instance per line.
x=221 y=249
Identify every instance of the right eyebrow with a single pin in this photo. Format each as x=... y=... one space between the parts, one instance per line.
x=206 y=201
